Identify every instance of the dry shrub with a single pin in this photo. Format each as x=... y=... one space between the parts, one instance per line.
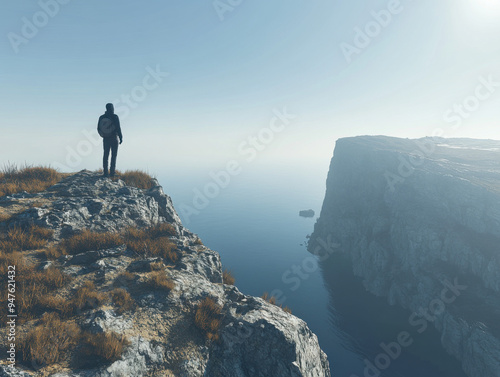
x=198 y=241
x=141 y=242
x=49 y=342
x=101 y=348
x=135 y=234
x=272 y=300
x=140 y=247
x=5 y=217
x=31 y=285
x=157 y=266
x=13 y=259
x=124 y=278
x=87 y=240
x=159 y=280
x=51 y=277
x=162 y=230
x=30 y=238
x=51 y=253
x=166 y=249
x=41 y=233
x=17 y=260
x=227 y=277
x=207 y=318
x=55 y=304
x=36 y=285
x=29 y=178
x=122 y=300
x=87 y=297
x=137 y=178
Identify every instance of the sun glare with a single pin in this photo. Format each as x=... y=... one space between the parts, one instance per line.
x=487 y=7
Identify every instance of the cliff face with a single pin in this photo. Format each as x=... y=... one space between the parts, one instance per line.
x=420 y=222
x=255 y=338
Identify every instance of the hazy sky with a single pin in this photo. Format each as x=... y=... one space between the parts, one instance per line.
x=200 y=83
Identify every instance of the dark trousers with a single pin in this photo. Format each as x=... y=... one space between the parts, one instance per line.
x=110 y=144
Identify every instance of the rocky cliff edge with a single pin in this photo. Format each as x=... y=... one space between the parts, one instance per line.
x=255 y=338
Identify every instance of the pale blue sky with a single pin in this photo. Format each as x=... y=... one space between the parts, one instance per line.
x=229 y=73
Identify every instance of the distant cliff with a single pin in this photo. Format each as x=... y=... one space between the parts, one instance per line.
x=420 y=222
x=161 y=287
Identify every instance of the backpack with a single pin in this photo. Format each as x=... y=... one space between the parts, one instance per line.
x=107 y=127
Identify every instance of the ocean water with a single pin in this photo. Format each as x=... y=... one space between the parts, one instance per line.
x=254 y=224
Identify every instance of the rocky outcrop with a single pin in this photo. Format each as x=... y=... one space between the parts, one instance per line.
x=306 y=213
x=256 y=337
x=420 y=222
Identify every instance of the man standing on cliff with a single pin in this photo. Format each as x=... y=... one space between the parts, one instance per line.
x=108 y=127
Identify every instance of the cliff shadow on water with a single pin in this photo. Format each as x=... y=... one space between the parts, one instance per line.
x=364 y=321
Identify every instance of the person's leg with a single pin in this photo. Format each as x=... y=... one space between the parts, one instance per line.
x=114 y=152
x=107 y=147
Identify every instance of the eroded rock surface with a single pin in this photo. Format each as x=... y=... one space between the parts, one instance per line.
x=416 y=217
x=256 y=337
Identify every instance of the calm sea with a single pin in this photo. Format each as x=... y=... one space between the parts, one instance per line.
x=254 y=224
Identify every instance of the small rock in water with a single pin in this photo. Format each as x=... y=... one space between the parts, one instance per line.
x=306 y=213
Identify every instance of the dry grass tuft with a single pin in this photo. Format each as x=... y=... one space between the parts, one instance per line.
x=53 y=341
x=124 y=278
x=198 y=241
x=227 y=277
x=153 y=242
x=149 y=242
x=84 y=298
x=157 y=266
x=87 y=297
x=122 y=300
x=207 y=318
x=101 y=348
x=51 y=253
x=5 y=217
x=28 y=178
x=55 y=304
x=49 y=342
x=21 y=239
x=159 y=280
x=272 y=300
x=162 y=230
x=87 y=240
x=35 y=286
x=137 y=178
x=31 y=285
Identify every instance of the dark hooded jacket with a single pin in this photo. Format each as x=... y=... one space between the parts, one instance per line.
x=116 y=121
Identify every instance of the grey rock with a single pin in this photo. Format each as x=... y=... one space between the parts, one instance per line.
x=85 y=258
x=86 y=201
x=260 y=339
x=205 y=263
x=138 y=360
x=92 y=256
x=105 y=321
x=306 y=213
x=143 y=265
x=412 y=215
x=12 y=372
x=45 y=265
x=279 y=342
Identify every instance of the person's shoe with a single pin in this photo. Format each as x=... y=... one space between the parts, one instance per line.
x=105 y=175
